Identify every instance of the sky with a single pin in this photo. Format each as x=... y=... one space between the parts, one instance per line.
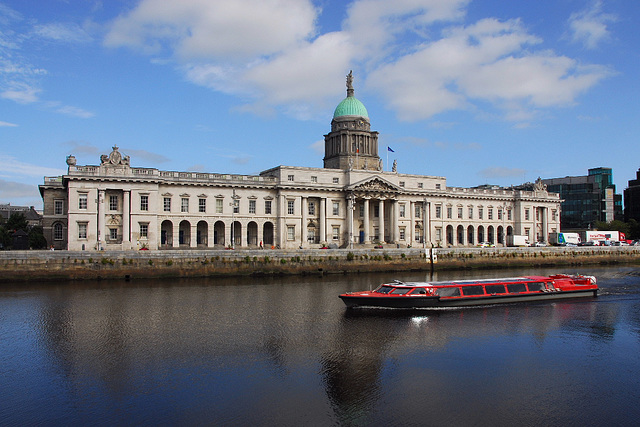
x=494 y=92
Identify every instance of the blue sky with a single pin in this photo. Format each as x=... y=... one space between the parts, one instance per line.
x=478 y=91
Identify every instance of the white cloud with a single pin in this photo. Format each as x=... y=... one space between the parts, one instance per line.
x=22 y=95
x=487 y=61
x=270 y=53
x=7 y=124
x=214 y=29
x=589 y=26
x=62 y=32
x=10 y=166
x=502 y=172
x=18 y=193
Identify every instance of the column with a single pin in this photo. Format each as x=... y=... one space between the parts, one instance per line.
x=304 y=205
x=100 y=221
x=350 y=206
x=394 y=221
x=381 y=219
x=193 y=241
x=210 y=234
x=366 y=221
x=126 y=219
x=323 y=220
x=412 y=227
x=176 y=234
x=282 y=212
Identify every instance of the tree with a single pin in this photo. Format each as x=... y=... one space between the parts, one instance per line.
x=36 y=238
x=17 y=221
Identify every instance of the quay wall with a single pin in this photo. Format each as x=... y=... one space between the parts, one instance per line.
x=18 y=266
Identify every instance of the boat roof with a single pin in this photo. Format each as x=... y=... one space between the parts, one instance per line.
x=470 y=282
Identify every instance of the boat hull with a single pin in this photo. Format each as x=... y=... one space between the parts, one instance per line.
x=352 y=301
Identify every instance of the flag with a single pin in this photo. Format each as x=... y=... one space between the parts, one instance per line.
x=389 y=149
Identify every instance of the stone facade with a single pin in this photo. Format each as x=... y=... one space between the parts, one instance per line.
x=351 y=202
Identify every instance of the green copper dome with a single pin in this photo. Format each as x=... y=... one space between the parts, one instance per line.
x=350 y=106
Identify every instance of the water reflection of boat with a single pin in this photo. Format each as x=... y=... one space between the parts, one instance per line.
x=461 y=293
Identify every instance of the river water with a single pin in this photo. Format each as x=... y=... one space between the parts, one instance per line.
x=286 y=352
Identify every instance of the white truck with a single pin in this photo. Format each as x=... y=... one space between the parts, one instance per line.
x=563 y=239
x=604 y=237
x=517 y=240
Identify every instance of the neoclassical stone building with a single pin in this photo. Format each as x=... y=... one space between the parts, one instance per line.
x=351 y=202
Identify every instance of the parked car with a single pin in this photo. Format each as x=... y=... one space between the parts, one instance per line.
x=485 y=245
x=539 y=244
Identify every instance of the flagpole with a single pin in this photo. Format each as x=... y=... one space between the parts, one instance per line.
x=387 y=156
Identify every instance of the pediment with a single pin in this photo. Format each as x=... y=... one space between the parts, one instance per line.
x=375 y=185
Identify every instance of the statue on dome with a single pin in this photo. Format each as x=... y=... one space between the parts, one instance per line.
x=350 y=80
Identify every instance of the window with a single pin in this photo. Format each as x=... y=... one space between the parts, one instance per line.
x=167 y=204
x=554 y=214
x=113 y=203
x=420 y=185
x=459 y=213
x=516 y=288
x=480 y=213
x=82 y=230
x=499 y=213
x=236 y=206
x=314 y=179
x=526 y=214
x=536 y=287
x=438 y=211
x=82 y=201
x=470 y=212
x=113 y=233
x=312 y=208
x=58 y=207
x=291 y=232
x=291 y=207
x=438 y=186
x=402 y=233
x=361 y=211
x=144 y=202
x=508 y=214
x=402 y=211
x=267 y=207
x=537 y=215
x=184 y=205
x=376 y=233
x=490 y=213
x=418 y=211
x=289 y=177
x=219 y=204
x=376 y=211
x=472 y=290
x=144 y=230
x=58 y=231
x=336 y=208
x=336 y=180
x=495 y=289
x=401 y=183
x=336 y=232
x=438 y=233
x=449 y=212
x=252 y=206
x=202 y=205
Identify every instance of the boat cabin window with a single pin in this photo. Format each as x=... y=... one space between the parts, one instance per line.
x=535 y=287
x=400 y=291
x=472 y=290
x=516 y=288
x=420 y=291
x=495 y=289
x=448 y=292
x=384 y=289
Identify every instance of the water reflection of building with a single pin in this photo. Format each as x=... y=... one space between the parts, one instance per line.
x=352 y=200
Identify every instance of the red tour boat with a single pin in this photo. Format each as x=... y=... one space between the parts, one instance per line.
x=460 y=293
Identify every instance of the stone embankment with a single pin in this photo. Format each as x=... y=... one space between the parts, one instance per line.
x=67 y=265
